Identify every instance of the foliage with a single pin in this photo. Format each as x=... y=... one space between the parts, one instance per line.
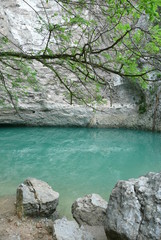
x=142 y=105
x=91 y=40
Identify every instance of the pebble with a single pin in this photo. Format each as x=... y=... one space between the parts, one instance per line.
x=39 y=225
x=10 y=220
x=17 y=224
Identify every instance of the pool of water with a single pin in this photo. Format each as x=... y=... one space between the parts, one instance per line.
x=75 y=161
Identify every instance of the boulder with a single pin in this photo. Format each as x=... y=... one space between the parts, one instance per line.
x=69 y=230
x=36 y=198
x=90 y=210
x=98 y=232
x=134 y=209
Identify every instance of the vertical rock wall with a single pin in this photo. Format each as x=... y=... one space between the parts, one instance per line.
x=48 y=105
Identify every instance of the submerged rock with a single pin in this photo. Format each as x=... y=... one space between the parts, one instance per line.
x=69 y=230
x=90 y=210
x=36 y=198
x=134 y=209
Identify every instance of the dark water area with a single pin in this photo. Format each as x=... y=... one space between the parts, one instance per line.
x=75 y=161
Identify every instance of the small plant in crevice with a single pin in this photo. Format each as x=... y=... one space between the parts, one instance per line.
x=142 y=105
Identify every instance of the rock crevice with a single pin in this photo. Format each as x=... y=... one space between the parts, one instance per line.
x=134 y=212
x=36 y=198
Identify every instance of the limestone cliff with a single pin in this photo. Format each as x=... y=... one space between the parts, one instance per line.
x=47 y=105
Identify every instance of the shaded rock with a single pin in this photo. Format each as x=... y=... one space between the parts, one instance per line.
x=134 y=209
x=69 y=230
x=36 y=198
x=97 y=232
x=90 y=210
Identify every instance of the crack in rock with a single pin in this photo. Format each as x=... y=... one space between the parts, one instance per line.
x=35 y=198
x=29 y=183
x=134 y=209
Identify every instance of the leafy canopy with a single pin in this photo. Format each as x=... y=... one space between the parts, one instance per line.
x=88 y=41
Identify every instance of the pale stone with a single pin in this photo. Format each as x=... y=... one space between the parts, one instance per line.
x=134 y=209
x=69 y=230
x=36 y=198
x=90 y=210
x=48 y=106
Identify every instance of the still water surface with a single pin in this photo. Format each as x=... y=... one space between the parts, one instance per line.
x=75 y=161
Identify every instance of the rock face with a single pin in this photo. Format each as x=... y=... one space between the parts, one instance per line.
x=36 y=198
x=48 y=105
x=69 y=230
x=134 y=209
x=90 y=210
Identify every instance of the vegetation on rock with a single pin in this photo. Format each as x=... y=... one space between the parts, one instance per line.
x=84 y=43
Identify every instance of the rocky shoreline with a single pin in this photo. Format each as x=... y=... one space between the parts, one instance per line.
x=20 y=218
x=133 y=213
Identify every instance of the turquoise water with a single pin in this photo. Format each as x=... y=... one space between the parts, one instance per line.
x=75 y=161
